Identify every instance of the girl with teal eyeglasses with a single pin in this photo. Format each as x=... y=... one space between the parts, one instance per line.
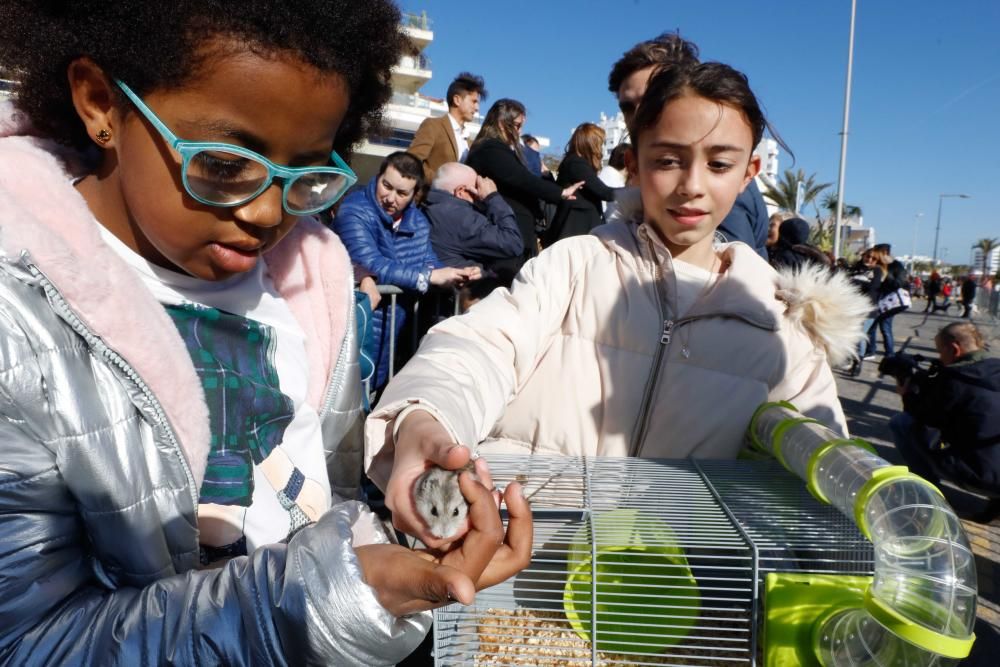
x=179 y=399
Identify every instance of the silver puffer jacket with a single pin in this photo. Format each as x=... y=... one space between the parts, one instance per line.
x=103 y=441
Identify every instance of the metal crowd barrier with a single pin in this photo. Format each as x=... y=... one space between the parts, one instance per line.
x=988 y=302
x=393 y=293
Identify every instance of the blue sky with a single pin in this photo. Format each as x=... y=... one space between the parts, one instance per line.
x=925 y=104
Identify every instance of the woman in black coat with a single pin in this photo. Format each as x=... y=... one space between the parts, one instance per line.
x=891 y=276
x=496 y=154
x=581 y=163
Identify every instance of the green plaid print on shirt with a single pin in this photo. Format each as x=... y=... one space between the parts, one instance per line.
x=248 y=413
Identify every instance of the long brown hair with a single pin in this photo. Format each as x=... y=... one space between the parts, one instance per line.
x=712 y=81
x=499 y=124
x=587 y=142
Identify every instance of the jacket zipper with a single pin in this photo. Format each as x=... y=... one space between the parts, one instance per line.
x=63 y=310
x=666 y=335
x=642 y=422
x=669 y=329
x=340 y=368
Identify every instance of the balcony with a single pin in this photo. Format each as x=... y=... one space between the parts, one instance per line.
x=369 y=155
x=410 y=73
x=414 y=102
x=397 y=139
x=418 y=28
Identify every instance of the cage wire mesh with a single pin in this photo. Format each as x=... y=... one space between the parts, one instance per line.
x=647 y=562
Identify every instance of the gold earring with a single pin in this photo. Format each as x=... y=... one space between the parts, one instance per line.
x=104 y=136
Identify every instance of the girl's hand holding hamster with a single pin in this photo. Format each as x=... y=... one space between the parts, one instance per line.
x=421 y=443
x=408 y=581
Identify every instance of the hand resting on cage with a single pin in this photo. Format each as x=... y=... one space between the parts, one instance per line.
x=408 y=581
x=422 y=443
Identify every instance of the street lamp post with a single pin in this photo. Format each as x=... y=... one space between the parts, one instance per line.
x=913 y=255
x=937 y=229
x=843 y=139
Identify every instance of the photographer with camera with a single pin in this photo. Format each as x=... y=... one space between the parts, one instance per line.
x=950 y=424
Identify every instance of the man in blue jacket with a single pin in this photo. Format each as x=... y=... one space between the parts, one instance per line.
x=388 y=238
x=471 y=225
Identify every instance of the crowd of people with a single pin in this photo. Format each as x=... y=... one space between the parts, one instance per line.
x=949 y=426
x=458 y=214
x=939 y=290
x=184 y=432
x=883 y=280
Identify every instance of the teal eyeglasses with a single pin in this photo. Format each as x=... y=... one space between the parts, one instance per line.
x=220 y=174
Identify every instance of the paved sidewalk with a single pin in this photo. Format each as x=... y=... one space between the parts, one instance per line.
x=869 y=401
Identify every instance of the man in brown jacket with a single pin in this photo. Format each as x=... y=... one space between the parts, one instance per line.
x=440 y=140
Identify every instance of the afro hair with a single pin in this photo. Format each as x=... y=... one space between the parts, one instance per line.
x=154 y=45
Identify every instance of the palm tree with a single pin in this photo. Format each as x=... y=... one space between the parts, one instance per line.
x=850 y=210
x=987 y=246
x=784 y=193
x=821 y=235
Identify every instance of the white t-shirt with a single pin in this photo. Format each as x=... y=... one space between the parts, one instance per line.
x=281 y=352
x=463 y=145
x=692 y=283
x=612 y=178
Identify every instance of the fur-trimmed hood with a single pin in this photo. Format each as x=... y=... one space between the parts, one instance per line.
x=823 y=303
x=46 y=221
x=827 y=306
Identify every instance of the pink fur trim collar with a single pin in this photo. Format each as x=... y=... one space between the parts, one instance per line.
x=312 y=271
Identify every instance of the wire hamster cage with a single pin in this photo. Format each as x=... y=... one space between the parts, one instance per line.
x=654 y=562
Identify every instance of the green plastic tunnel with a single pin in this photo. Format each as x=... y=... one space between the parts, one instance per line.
x=921 y=605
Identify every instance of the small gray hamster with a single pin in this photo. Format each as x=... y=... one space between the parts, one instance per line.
x=439 y=501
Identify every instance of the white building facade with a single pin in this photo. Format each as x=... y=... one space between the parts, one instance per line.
x=767 y=149
x=992 y=261
x=408 y=107
x=855 y=238
x=615 y=132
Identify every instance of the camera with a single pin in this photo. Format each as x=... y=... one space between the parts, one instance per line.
x=903 y=366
